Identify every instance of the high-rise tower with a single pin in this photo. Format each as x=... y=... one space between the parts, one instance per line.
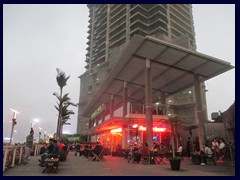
x=111 y=26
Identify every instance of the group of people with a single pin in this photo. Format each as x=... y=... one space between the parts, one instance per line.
x=216 y=150
x=144 y=151
x=54 y=149
x=88 y=151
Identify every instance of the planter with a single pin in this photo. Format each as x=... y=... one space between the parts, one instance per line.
x=175 y=164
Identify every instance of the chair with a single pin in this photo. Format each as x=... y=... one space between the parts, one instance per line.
x=145 y=155
x=134 y=157
x=211 y=158
x=159 y=158
x=145 y=159
x=100 y=156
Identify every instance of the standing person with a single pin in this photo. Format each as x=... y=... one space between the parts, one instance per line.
x=189 y=147
x=28 y=146
x=77 y=149
x=180 y=150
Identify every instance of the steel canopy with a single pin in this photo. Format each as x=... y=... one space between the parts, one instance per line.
x=172 y=70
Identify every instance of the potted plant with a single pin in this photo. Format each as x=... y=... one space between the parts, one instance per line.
x=175 y=161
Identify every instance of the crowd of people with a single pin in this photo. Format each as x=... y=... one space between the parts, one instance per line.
x=143 y=152
x=214 y=148
x=88 y=150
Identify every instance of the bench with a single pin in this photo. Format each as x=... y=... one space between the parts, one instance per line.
x=51 y=165
x=211 y=159
x=196 y=161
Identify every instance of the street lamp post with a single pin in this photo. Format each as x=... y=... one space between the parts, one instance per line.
x=14 y=122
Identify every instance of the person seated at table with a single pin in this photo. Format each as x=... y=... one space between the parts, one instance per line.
x=180 y=150
x=204 y=153
x=81 y=151
x=77 y=148
x=132 y=149
x=144 y=150
x=97 y=150
x=43 y=149
x=154 y=150
x=87 y=150
x=163 y=150
x=119 y=150
x=215 y=147
x=222 y=149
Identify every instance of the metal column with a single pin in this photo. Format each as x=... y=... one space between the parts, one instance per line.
x=111 y=106
x=199 y=111
x=148 y=103
x=124 y=98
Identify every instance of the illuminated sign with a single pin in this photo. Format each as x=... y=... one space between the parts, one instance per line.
x=155 y=129
x=98 y=111
x=116 y=130
x=135 y=126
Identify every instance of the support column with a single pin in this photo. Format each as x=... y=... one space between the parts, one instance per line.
x=199 y=111
x=124 y=138
x=163 y=102
x=126 y=132
x=148 y=103
x=124 y=98
x=111 y=106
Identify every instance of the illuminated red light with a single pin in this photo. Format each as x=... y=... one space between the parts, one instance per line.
x=155 y=129
x=135 y=126
x=116 y=130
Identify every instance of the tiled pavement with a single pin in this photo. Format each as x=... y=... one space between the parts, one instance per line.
x=118 y=166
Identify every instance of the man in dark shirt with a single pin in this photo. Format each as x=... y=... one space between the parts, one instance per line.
x=97 y=150
x=52 y=150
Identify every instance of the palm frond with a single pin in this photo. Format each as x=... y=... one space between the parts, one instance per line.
x=61 y=78
x=57 y=108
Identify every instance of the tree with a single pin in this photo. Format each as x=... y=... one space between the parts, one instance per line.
x=63 y=104
x=174 y=121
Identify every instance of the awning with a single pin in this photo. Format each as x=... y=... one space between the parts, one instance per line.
x=172 y=70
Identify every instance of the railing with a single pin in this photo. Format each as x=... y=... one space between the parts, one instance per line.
x=13 y=155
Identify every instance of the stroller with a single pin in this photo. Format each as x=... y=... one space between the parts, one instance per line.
x=134 y=156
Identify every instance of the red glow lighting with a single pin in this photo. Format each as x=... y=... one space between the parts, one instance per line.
x=155 y=129
x=135 y=126
x=116 y=130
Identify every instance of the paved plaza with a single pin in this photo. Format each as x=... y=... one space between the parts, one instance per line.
x=118 y=166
